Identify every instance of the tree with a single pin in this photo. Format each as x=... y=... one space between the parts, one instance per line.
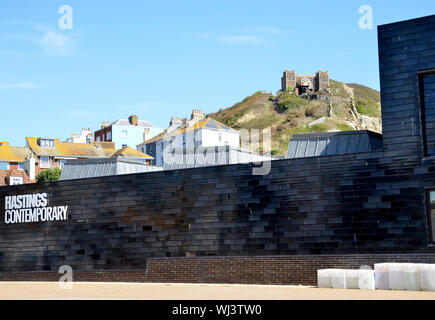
x=49 y=175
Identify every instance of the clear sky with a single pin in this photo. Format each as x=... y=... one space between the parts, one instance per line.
x=159 y=59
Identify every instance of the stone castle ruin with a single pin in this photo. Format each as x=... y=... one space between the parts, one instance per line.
x=305 y=83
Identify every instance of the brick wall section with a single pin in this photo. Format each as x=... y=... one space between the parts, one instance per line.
x=285 y=270
x=13 y=172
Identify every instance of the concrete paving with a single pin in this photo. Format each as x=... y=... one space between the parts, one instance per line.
x=162 y=291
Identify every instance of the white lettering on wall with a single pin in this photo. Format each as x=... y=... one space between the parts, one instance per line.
x=32 y=208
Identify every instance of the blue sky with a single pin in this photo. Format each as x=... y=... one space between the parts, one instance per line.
x=160 y=59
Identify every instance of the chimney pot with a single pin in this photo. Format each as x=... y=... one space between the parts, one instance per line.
x=133 y=120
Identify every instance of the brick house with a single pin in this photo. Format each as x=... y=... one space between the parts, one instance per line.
x=17 y=165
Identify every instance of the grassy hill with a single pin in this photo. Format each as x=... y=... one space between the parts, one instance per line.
x=367 y=100
x=287 y=114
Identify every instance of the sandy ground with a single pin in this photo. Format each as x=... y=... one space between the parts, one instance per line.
x=160 y=291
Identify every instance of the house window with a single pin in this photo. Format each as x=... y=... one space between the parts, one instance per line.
x=427 y=105
x=98 y=138
x=4 y=165
x=109 y=136
x=46 y=143
x=44 y=162
x=20 y=166
x=151 y=149
x=16 y=181
x=124 y=134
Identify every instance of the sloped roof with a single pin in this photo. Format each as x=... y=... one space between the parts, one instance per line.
x=208 y=123
x=333 y=143
x=9 y=153
x=125 y=122
x=128 y=152
x=95 y=149
x=89 y=168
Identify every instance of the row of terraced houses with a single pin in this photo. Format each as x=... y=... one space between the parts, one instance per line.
x=132 y=139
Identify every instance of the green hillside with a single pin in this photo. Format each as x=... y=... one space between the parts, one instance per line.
x=367 y=100
x=287 y=114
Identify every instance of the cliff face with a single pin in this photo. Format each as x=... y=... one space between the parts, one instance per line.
x=343 y=107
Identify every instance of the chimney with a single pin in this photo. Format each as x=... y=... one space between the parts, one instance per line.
x=197 y=114
x=175 y=120
x=133 y=120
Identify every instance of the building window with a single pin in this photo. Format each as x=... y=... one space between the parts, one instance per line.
x=98 y=138
x=16 y=181
x=4 y=165
x=427 y=105
x=44 y=162
x=109 y=136
x=124 y=146
x=124 y=134
x=46 y=143
x=431 y=214
x=20 y=166
x=151 y=149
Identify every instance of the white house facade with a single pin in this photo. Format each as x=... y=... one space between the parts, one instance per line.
x=189 y=135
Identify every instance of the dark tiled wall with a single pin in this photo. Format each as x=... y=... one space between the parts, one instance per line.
x=337 y=204
x=404 y=49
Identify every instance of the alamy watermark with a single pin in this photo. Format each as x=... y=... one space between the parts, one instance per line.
x=366 y=19
x=66 y=20
x=66 y=280
x=185 y=150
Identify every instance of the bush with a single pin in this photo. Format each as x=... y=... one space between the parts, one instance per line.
x=287 y=102
x=49 y=175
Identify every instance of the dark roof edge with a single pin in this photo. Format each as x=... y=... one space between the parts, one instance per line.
x=102 y=160
x=381 y=26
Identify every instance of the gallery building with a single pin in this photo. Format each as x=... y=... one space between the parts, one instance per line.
x=227 y=224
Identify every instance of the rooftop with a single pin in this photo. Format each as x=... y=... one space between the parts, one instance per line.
x=208 y=123
x=126 y=122
x=84 y=150
x=333 y=143
x=128 y=152
x=10 y=153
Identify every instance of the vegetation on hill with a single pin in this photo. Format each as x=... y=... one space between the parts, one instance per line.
x=367 y=100
x=286 y=113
